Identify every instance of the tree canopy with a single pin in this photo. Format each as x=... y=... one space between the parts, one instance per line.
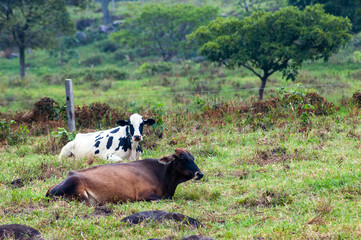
x=269 y=42
x=33 y=24
x=349 y=8
x=162 y=29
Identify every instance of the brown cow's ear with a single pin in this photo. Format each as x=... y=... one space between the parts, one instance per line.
x=166 y=160
x=178 y=151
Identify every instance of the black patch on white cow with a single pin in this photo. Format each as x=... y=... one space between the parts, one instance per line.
x=110 y=142
x=96 y=152
x=139 y=148
x=97 y=144
x=141 y=128
x=131 y=130
x=115 y=130
x=125 y=142
x=99 y=138
x=99 y=135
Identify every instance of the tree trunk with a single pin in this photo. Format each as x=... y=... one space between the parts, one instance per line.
x=261 y=88
x=106 y=16
x=22 y=61
x=245 y=5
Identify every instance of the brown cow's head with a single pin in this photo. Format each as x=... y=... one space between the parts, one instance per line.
x=184 y=165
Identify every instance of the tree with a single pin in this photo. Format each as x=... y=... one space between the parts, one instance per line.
x=349 y=8
x=32 y=24
x=162 y=29
x=106 y=15
x=269 y=42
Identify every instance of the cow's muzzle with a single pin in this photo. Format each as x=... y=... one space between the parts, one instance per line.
x=137 y=138
x=198 y=175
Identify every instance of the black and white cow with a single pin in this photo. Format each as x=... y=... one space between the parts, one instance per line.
x=113 y=144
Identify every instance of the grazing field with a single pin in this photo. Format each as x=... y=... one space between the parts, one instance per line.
x=287 y=167
x=273 y=169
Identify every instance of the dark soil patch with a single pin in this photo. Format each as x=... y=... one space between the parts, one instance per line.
x=160 y=216
x=18 y=232
x=196 y=237
x=17 y=183
x=266 y=157
x=100 y=212
x=241 y=174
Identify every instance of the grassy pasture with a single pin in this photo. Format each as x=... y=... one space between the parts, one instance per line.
x=274 y=173
x=269 y=179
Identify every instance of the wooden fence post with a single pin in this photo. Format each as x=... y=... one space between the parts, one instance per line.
x=70 y=104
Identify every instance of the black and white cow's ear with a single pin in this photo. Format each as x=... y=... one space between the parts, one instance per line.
x=149 y=121
x=166 y=160
x=122 y=123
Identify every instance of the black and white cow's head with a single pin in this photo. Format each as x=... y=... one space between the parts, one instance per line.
x=136 y=124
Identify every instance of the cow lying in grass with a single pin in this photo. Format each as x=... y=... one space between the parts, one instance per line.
x=114 y=144
x=142 y=180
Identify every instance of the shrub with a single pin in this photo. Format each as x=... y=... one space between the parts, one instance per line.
x=97 y=115
x=159 y=112
x=92 y=61
x=10 y=135
x=83 y=23
x=63 y=136
x=151 y=69
x=108 y=46
x=120 y=55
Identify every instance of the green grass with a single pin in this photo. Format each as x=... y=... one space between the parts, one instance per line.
x=310 y=190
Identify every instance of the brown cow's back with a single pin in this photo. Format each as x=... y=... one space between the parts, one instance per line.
x=122 y=182
x=148 y=179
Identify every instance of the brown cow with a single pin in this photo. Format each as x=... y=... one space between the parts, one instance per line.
x=147 y=180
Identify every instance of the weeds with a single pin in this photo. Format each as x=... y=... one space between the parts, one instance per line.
x=63 y=135
x=269 y=198
x=11 y=135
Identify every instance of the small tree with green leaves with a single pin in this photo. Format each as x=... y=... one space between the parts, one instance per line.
x=33 y=24
x=269 y=42
x=161 y=29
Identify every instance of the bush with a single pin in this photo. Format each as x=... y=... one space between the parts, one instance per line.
x=63 y=136
x=92 y=61
x=10 y=135
x=83 y=23
x=108 y=46
x=150 y=69
x=96 y=115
